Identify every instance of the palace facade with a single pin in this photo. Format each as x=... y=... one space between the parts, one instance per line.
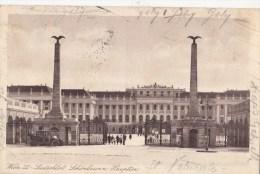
x=126 y=111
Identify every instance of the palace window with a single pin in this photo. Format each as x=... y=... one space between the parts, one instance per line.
x=147 y=93
x=177 y=95
x=80 y=105
x=161 y=93
x=154 y=117
x=127 y=118
x=161 y=107
x=87 y=105
x=66 y=105
x=87 y=117
x=168 y=107
x=133 y=118
x=120 y=118
x=162 y=118
x=141 y=93
x=182 y=108
x=169 y=93
x=126 y=107
x=100 y=116
x=114 y=107
x=182 y=117
x=147 y=117
x=80 y=117
x=147 y=107
x=120 y=106
x=154 y=93
x=107 y=118
x=100 y=106
x=175 y=117
x=73 y=105
x=141 y=118
x=154 y=107
x=175 y=107
x=168 y=118
x=107 y=107
x=113 y=118
x=133 y=107
x=141 y=107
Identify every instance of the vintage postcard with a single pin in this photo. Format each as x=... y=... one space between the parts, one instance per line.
x=129 y=90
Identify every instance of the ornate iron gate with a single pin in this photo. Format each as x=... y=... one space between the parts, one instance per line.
x=157 y=133
x=92 y=132
x=233 y=134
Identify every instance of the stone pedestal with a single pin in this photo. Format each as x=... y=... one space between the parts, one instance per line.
x=182 y=133
x=62 y=128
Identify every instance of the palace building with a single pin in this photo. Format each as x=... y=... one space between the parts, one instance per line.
x=126 y=111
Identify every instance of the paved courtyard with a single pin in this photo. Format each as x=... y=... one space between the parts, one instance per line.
x=130 y=158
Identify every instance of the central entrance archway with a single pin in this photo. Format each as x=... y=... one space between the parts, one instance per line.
x=193 y=135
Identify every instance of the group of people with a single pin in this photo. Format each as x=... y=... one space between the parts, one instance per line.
x=118 y=139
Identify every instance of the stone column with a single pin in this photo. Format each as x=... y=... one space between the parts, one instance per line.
x=193 y=110
x=56 y=112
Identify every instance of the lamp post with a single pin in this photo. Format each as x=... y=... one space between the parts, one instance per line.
x=207 y=118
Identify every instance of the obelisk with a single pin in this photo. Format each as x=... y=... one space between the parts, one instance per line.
x=56 y=111
x=193 y=108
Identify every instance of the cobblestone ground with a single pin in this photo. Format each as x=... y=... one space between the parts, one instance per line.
x=131 y=158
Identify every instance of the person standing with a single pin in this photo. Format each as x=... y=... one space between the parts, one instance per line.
x=108 y=139
x=130 y=136
x=117 y=139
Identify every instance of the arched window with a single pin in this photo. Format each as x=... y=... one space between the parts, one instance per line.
x=113 y=118
x=154 y=117
x=162 y=118
x=168 y=118
x=161 y=107
x=133 y=118
x=120 y=119
x=154 y=107
x=100 y=116
x=127 y=118
x=141 y=118
x=175 y=117
x=147 y=117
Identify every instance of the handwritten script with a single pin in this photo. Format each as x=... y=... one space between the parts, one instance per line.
x=183 y=163
x=254 y=131
x=72 y=167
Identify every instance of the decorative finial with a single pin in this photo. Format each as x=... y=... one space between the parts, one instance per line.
x=194 y=38
x=57 y=38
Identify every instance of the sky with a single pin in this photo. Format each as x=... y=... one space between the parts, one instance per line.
x=113 y=53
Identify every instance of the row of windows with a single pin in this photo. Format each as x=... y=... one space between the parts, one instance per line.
x=74 y=105
x=141 y=107
x=148 y=107
x=140 y=119
x=155 y=93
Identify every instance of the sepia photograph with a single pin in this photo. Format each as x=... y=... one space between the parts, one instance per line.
x=129 y=90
